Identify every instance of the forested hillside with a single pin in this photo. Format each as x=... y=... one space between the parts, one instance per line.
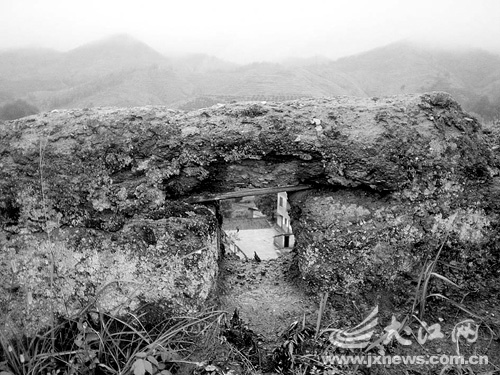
x=122 y=71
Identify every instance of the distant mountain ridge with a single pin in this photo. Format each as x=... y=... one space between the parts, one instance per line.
x=123 y=71
x=470 y=76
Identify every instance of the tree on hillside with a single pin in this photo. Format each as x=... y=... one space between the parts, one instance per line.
x=17 y=109
x=267 y=204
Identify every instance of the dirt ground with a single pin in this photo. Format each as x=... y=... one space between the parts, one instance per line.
x=269 y=300
x=266 y=296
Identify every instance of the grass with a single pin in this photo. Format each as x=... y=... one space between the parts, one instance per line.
x=302 y=347
x=95 y=342
x=107 y=344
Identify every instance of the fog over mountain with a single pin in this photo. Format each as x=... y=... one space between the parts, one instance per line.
x=123 y=71
x=256 y=31
x=194 y=53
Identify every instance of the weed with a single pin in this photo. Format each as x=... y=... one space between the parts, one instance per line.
x=254 y=110
x=100 y=343
x=422 y=290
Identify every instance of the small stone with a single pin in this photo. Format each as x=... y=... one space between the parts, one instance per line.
x=190 y=130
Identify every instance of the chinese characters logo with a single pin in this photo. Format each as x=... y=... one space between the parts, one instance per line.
x=359 y=337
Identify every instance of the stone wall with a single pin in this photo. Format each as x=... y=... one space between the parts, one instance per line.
x=98 y=193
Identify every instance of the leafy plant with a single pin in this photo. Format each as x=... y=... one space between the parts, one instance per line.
x=289 y=355
x=109 y=344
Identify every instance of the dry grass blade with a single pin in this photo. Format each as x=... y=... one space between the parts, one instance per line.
x=423 y=292
x=429 y=270
x=460 y=306
x=445 y=279
x=322 y=307
x=248 y=364
x=417 y=289
x=113 y=344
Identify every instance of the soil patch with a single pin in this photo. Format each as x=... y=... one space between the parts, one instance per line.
x=272 y=308
x=266 y=297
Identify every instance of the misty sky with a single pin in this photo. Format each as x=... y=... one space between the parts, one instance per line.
x=251 y=30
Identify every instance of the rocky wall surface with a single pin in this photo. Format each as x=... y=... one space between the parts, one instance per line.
x=106 y=188
x=163 y=265
x=355 y=242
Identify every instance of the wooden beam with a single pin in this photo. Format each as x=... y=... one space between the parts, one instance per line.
x=245 y=193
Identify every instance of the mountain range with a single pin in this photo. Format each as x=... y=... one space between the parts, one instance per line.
x=122 y=71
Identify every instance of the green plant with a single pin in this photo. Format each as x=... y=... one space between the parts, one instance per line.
x=289 y=356
x=254 y=110
x=422 y=290
x=322 y=307
x=423 y=287
x=110 y=344
x=422 y=295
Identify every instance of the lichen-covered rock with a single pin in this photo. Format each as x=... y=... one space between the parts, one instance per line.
x=170 y=261
x=105 y=188
x=357 y=241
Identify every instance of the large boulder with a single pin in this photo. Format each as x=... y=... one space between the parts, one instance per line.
x=93 y=201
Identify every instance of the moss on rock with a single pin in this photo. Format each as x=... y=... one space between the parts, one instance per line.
x=109 y=187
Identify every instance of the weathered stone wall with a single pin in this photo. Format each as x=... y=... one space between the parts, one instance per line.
x=107 y=185
x=357 y=241
x=169 y=262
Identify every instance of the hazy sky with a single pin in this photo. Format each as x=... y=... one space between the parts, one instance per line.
x=251 y=30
